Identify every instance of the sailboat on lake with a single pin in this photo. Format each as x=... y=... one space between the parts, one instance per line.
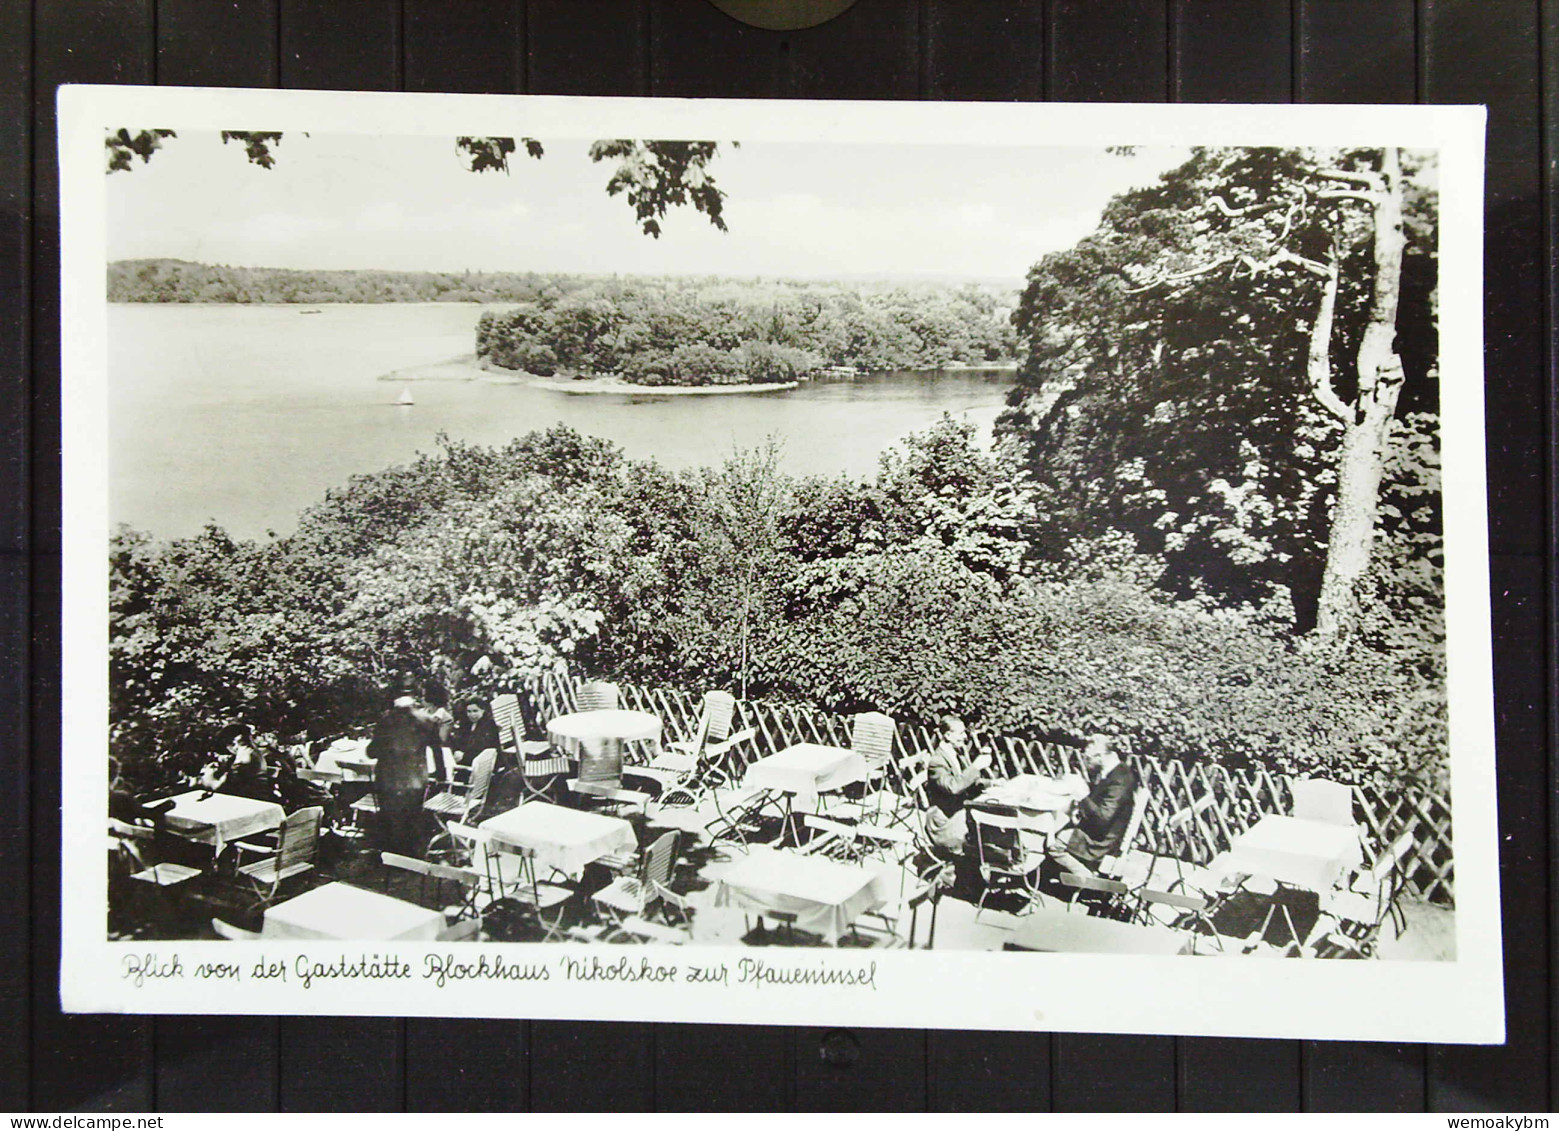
x=406 y=397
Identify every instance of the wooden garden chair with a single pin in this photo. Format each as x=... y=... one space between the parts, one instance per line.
x=295 y=853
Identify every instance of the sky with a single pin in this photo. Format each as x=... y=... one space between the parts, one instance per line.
x=793 y=210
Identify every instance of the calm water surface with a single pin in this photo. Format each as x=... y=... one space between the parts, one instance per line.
x=246 y=414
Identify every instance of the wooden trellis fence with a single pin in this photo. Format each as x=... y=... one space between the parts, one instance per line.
x=1239 y=797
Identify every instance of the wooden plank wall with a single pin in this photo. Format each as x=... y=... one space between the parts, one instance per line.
x=1499 y=52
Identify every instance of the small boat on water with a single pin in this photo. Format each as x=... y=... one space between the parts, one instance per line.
x=311 y=312
x=405 y=397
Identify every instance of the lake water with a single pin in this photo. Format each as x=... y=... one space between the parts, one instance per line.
x=247 y=414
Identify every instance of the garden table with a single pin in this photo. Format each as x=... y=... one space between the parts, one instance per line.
x=1312 y=855
x=1073 y=932
x=219 y=818
x=341 y=911
x=1043 y=804
x=563 y=839
x=804 y=770
x=350 y=757
x=820 y=895
x=595 y=739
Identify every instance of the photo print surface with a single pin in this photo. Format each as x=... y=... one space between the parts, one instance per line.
x=609 y=558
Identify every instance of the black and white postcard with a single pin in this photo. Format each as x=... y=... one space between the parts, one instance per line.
x=929 y=565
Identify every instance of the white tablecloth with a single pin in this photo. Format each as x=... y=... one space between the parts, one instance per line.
x=1043 y=804
x=1073 y=932
x=1305 y=854
x=218 y=818
x=573 y=732
x=826 y=896
x=565 y=839
x=806 y=770
x=341 y=911
x=350 y=757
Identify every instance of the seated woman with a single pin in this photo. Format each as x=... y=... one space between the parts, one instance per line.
x=474 y=732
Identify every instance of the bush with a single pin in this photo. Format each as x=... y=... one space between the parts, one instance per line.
x=699 y=364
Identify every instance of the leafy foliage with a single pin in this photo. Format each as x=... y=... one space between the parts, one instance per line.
x=657 y=175
x=702 y=331
x=1165 y=391
x=491 y=154
x=122 y=146
x=257 y=145
x=1138 y=555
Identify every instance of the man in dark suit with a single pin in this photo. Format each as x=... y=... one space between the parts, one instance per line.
x=1098 y=826
x=401 y=740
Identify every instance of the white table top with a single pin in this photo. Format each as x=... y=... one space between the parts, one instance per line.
x=1074 y=932
x=1036 y=792
x=807 y=768
x=341 y=911
x=216 y=818
x=1302 y=853
x=824 y=895
x=625 y=726
x=566 y=839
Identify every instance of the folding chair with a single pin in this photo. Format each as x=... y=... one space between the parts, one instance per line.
x=1317 y=799
x=1007 y=862
x=458 y=803
x=1114 y=905
x=737 y=814
x=682 y=767
x=1370 y=897
x=1174 y=828
x=597 y=695
x=467 y=880
x=632 y=894
x=297 y=847
x=509 y=719
x=540 y=774
x=1114 y=866
x=904 y=808
x=831 y=838
x=675 y=908
x=618 y=800
x=1183 y=908
x=871 y=736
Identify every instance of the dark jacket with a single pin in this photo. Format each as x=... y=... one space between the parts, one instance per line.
x=400 y=743
x=1101 y=817
x=470 y=739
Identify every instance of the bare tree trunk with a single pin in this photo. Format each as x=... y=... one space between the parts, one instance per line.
x=1368 y=427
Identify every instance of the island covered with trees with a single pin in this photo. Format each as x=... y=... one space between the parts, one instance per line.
x=673 y=331
x=644 y=330
x=1211 y=520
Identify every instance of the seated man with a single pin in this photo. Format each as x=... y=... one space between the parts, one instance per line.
x=242 y=769
x=1098 y=825
x=951 y=783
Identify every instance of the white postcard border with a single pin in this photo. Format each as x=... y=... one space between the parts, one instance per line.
x=1453 y=1001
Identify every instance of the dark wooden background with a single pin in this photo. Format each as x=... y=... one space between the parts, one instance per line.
x=1499 y=52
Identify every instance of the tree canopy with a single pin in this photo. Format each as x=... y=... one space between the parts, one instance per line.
x=1168 y=390
x=654 y=175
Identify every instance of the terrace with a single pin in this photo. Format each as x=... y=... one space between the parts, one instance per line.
x=649 y=815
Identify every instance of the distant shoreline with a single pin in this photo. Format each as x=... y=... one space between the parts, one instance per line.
x=615 y=385
x=467 y=368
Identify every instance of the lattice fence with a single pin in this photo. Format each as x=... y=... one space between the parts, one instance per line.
x=1239 y=798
